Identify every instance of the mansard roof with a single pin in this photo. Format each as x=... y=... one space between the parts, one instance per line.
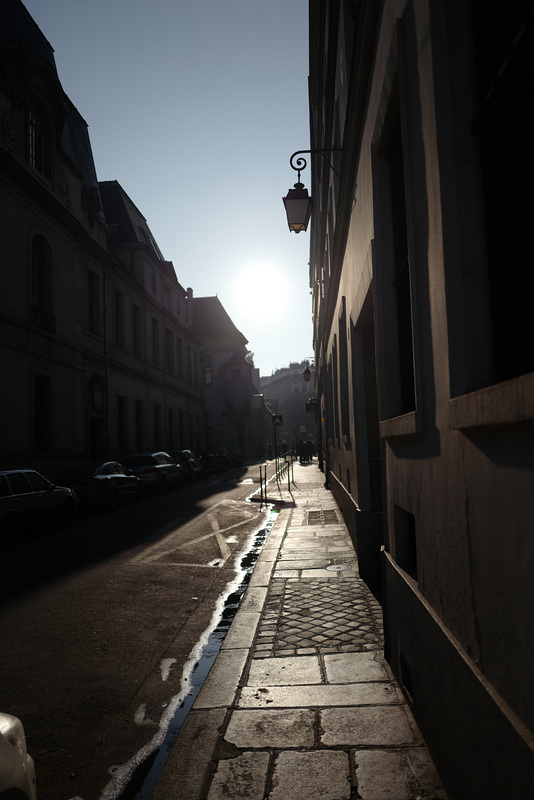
x=16 y=24
x=76 y=144
x=20 y=33
x=127 y=225
x=210 y=319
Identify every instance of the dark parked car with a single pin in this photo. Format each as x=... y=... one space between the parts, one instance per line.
x=27 y=497
x=190 y=466
x=157 y=471
x=105 y=484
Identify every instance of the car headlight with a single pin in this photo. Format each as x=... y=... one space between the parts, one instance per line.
x=13 y=732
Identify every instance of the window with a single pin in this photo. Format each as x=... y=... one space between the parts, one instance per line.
x=189 y=365
x=180 y=357
x=93 y=303
x=393 y=270
x=504 y=51
x=335 y=391
x=180 y=427
x=401 y=277
x=139 y=425
x=137 y=330
x=38 y=482
x=169 y=350
x=122 y=440
x=207 y=371
x=155 y=340
x=157 y=426
x=39 y=138
x=42 y=293
x=344 y=373
x=19 y=483
x=405 y=541
x=171 y=428
x=42 y=412
x=118 y=318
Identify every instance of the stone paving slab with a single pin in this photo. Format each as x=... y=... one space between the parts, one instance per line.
x=355 y=726
x=241 y=778
x=354 y=694
x=274 y=728
x=400 y=774
x=327 y=772
x=284 y=671
x=350 y=667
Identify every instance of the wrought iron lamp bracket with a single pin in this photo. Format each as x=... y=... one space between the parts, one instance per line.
x=301 y=163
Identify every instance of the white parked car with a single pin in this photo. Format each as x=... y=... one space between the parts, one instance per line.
x=17 y=772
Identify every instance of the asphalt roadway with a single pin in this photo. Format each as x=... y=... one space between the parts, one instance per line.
x=101 y=624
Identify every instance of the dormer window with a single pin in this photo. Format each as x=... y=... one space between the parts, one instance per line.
x=39 y=137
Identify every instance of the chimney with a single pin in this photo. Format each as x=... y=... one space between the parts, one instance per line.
x=189 y=306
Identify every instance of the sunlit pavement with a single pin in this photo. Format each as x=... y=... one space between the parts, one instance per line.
x=300 y=702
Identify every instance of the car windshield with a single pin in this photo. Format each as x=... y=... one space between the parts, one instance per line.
x=137 y=461
x=78 y=471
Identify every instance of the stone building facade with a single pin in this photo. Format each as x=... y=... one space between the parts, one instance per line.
x=422 y=286
x=97 y=358
x=237 y=420
x=287 y=393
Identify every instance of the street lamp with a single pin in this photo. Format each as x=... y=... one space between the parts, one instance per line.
x=299 y=206
x=297 y=202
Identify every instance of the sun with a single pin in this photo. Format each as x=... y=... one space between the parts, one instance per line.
x=261 y=290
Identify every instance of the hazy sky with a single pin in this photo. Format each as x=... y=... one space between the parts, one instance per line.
x=195 y=107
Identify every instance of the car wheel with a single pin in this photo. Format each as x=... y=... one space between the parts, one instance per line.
x=69 y=514
x=113 y=502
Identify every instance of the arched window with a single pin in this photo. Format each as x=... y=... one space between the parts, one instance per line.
x=39 y=137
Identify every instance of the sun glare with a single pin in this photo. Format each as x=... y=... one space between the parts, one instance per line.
x=261 y=290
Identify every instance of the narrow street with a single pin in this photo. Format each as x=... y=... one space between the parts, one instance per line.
x=101 y=625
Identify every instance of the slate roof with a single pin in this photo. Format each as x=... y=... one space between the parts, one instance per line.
x=17 y=27
x=76 y=144
x=127 y=225
x=17 y=24
x=210 y=319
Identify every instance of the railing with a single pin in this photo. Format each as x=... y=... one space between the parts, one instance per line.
x=283 y=469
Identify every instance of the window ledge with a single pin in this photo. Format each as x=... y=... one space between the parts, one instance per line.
x=500 y=404
x=405 y=425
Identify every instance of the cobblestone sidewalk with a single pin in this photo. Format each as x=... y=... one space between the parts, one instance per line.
x=300 y=703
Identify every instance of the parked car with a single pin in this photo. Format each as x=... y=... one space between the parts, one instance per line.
x=17 y=771
x=106 y=484
x=187 y=461
x=157 y=471
x=27 y=497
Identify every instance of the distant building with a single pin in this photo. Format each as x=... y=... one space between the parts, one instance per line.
x=236 y=415
x=422 y=280
x=286 y=393
x=156 y=358
x=96 y=355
